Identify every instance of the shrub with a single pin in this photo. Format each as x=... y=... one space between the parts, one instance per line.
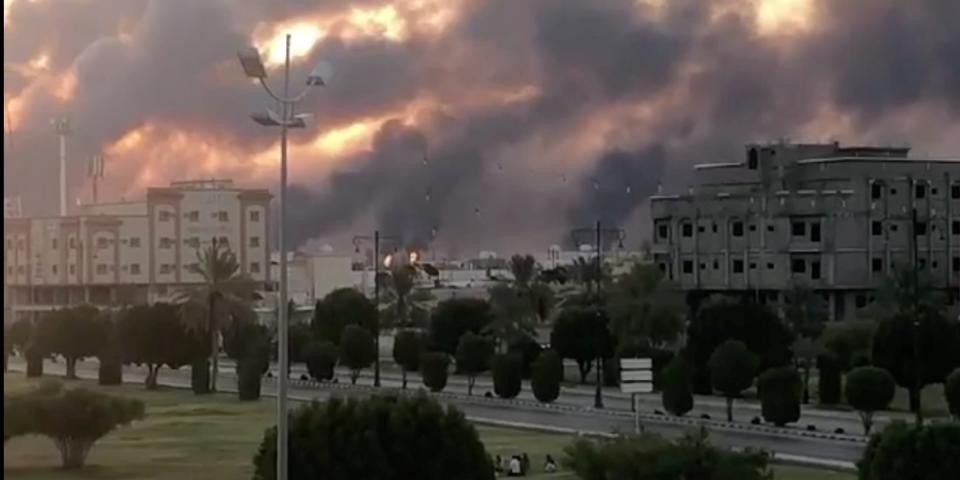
x=507 y=375
x=905 y=452
x=528 y=349
x=433 y=369
x=34 y=355
x=357 y=350
x=321 y=358
x=252 y=366
x=952 y=393
x=677 y=393
x=868 y=390
x=830 y=380
x=473 y=357
x=651 y=456
x=378 y=438
x=200 y=376
x=73 y=419
x=780 y=392
x=454 y=317
x=546 y=376
x=732 y=369
x=407 y=346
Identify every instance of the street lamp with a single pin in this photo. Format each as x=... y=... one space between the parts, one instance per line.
x=599 y=232
x=376 y=239
x=253 y=67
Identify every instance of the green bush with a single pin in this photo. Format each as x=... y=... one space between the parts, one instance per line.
x=34 y=355
x=433 y=369
x=951 y=390
x=830 y=382
x=677 y=392
x=407 y=347
x=378 y=438
x=357 y=350
x=732 y=368
x=780 y=391
x=473 y=357
x=528 y=349
x=200 y=376
x=868 y=390
x=507 y=375
x=321 y=358
x=905 y=452
x=547 y=373
x=650 y=456
x=73 y=419
x=454 y=317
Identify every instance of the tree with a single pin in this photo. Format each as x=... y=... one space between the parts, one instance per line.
x=939 y=349
x=110 y=353
x=249 y=345
x=805 y=311
x=73 y=333
x=378 y=438
x=154 y=335
x=580 y=334
x=321 y=359
x=513 y=315
x=400 y=298
x=850 y=343
x=806 y=351
x=869 y=390
x=546 y=376
x=224 y=295
x=951 y=391
x=22 y=338
x=299 y=336
x=433 y=370
x=407 y=346
x=357 y=350
x=339 y=308
x=732 y=368
x=75 y=419
x=780 y=390
x=507 y=375
x=677 y=394
x=524 y=270
x=642 y=304
x=905 y=452
x=528 y=349
x=650 y=456
x=754 y=324
x=830 y=380
x=452 y=318
x=473 y=357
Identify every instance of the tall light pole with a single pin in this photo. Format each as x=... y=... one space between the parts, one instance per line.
x=599 y=232
x=95 y=172
x=254 y=68
x=62 y=127
x=357 y=240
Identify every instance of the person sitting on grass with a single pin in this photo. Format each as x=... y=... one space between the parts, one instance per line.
x=549 y=465
x=516 y=467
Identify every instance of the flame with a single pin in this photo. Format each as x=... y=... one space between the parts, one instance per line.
x=779 y=17
x=351 y=137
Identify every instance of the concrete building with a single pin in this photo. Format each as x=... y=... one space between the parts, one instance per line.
x=132 y=252
x=837 y=218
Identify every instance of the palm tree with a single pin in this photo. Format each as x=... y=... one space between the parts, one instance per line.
x=641 y=303
x=513 y=314
x=524 y=270
x=225 y=295
x=400 y=297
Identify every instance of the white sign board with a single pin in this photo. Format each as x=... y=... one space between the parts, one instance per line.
x=636 y=364
x=639 y=387
x=636 y=376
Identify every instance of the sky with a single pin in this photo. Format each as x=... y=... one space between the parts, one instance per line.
x=466 y=124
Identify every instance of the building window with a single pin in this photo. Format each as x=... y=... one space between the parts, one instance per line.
x=753 y=159
x=701 y=228
x=166 y=242
x=103 y=242
x=72 y=242
x=72 y=269
x=254 y=215
x=770 y=227
x=955 y=192
x=956 y=227
x=223 y=216
x=687 y=266
x=254 y=242
x=738 y=229
x=860 y=300
x=815 y=232
x=255 y=267
x=191 y=267
x=134 y=269
x=769 y=265
x=738 y=266
x=224 y=242
x=714 y=228
x=894 y=227
x=798 y=266
x=193 y=216
x=753 y=227
x=192 y=242
x=165 y=268
x=815 y=270
x=956 y=264
x=876 y=191
x=164 y=215
x=662 y=230
x=893 y=191
x=703 y=266
x=20 y=269
x=53 y=269
x=101 y=269
x=134 y=242
x=686 y=230
x=798 y=229
x=753 y=266
x=921 y=228
x=877 y=265
x=934 y=192
x=716 y=265
x=53 y=244
x=922 y=263
x=876 y=228
x=921 y=191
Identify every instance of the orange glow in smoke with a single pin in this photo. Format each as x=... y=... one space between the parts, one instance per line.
x=778 y=17
x=303 y=36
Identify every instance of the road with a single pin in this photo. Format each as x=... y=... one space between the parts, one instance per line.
x=585 y=421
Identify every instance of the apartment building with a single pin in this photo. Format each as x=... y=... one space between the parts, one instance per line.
x=132 y=252
x=836 y=218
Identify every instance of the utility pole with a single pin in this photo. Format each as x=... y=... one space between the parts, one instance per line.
x=918 y=369
x=95 y=172
x=357 y=240
x=62 y=128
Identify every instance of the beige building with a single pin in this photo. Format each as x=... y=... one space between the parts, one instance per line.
x=132 y=251
x=837 y=218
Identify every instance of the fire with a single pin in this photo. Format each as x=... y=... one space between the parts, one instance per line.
x=127 y=143
x=783 y=16
x=351 y=137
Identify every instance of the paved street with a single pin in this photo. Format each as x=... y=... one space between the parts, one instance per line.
x=586 y=421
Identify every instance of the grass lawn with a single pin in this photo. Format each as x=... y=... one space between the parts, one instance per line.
x=215 y=437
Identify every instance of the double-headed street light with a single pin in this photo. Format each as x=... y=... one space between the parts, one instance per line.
x=285 y=119
x=599 y=233
x=376 y=239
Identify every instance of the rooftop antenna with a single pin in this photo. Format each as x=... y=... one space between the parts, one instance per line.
x=62 y=128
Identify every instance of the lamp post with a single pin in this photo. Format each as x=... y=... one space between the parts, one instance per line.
x=376 y=239
x=253 y=67
x=598 y=233
x=62 y=127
